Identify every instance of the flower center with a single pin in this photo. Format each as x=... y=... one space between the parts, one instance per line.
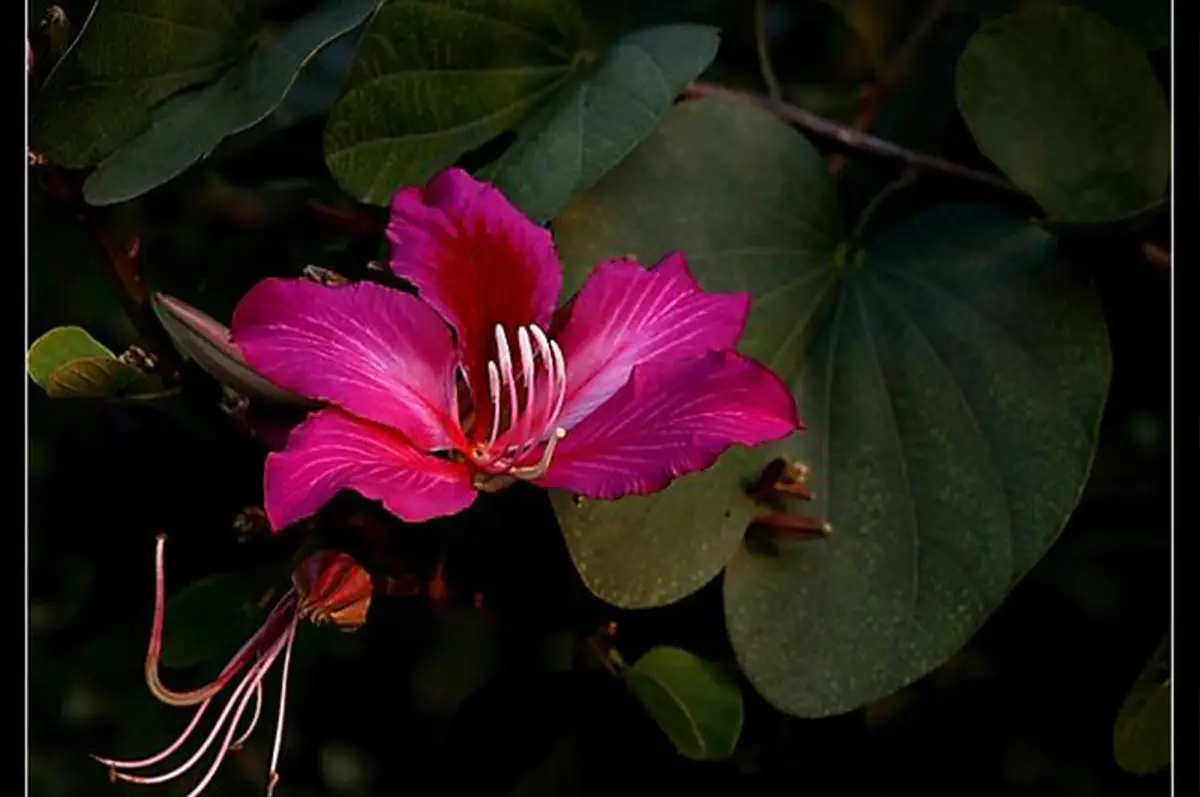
x=527 y=392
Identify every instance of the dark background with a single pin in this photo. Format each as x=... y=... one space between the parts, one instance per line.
x=449 y=699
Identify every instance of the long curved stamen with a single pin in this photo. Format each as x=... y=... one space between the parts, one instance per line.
x=154 y=759
x=154 y=651
x=258 y=701
x=253 y=678
x=273 y=778
x=560 y=370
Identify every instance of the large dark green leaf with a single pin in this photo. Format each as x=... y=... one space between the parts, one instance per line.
x=187 y=127
x=67 y=362
x=1069 y=108
x=952 y=393
x=436 y=78
x=765 y=222
x=598 y=119
x=130 y=55
x=1142 y=732
x=1148 y=21
x=697 y=706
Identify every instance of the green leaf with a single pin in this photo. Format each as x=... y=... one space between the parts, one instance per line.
x=1142 y=733
x=695 y=705
x=1069 y=108
x=598 y=119
x=1148 y=21
x=436 y=78
x=67 y=362
x=768 y=224
x=189 y=126
x=130 y=55
x=948 y=445
x=209 y=618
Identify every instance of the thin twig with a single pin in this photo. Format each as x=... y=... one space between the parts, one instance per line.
x=855 y=139
x=895 y=72
x=762 y=47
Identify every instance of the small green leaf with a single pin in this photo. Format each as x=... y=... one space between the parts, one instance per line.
x=189 y=126
x=67 y=362
x=1069 y=108
x=130 y=55
x=1142 y=733
x=211 y=617
x=597 y=120
x=436 y=78
x=697 y=707
x=767 y=223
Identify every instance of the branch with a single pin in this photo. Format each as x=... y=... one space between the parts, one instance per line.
x=856 y=139
x=762 y=47
x=896 y=70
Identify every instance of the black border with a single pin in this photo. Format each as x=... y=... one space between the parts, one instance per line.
x=1185 y=690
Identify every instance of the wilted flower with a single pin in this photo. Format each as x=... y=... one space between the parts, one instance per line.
x=327 y=587
x=479 y=383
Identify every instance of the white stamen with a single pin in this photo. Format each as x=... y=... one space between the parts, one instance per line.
x=273 y=778
x=494 y=390
x=521 y=430
x=506 y=375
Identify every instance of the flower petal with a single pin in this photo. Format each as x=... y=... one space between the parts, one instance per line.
x=671 y=418
x=372 y=350
x=626 y=314
x=476 y=259
x=334 y=451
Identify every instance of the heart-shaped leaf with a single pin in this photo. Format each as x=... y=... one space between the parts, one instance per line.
x=211 y=617
x=67 y=362
x=1142 y=733
x=1069 y=108
x=189 y=126
x=767 y=224
x=694 y=703
x=130 y=55
x=436 y=78
x=952 y=391
x=595 y=121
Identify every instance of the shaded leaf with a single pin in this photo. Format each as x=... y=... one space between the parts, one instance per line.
x=211 y=617
x=436 y=78
x=1142 y=733
x=1148 y=21
x=952 y=376
x=677 y=190
x=189 y=126
x=67 y=362
x=695 y=705
x=597 y=120
x=203 y=339
x=1069 y=108
x=99 y=96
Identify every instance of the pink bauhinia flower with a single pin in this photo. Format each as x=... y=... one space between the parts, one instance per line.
x=477 y=382
x=327 y=587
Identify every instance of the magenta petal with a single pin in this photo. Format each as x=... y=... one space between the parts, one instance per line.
x=626 y=314
x=334 y=451
x=374 y=351
x=475 y=258
x=671 y=418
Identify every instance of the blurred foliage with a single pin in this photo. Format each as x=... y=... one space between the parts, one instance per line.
x=945 y=634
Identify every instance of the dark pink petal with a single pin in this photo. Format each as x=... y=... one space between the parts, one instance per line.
x=671 y=418
x=374 y=351
x=476 y=259
x=626 y=314
x=334 y=451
